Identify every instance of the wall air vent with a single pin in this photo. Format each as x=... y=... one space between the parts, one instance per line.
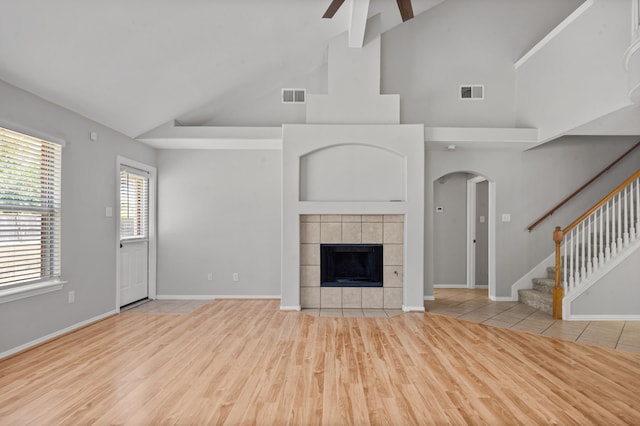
x=474 y=92
x=293 y=96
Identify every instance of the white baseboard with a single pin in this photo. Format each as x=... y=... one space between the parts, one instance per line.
x=429 y=298
x=244 y=296
x=449 y=286
x=406 y=308
x=213 y=296
x=290 y=308
x=482 y=287
x=503 y=298
x=603 y=318
x=55 y=334
x=186 y=296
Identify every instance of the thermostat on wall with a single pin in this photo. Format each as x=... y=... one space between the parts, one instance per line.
x=439 y=209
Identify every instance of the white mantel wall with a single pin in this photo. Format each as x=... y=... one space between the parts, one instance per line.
x=404 y=140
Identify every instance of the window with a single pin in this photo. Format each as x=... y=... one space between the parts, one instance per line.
x=134 y=193
x=30 y=175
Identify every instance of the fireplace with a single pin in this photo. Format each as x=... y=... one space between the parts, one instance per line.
x=351 y=265
x=351 y=239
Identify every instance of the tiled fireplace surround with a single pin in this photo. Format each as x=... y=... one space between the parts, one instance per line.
x=387 y=230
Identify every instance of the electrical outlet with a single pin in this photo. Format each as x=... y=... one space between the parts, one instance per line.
x=235 y=276
x=210 y=276
x=72 y=296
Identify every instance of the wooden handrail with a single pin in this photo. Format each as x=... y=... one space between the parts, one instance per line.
x=566 y=200
x=612 y=194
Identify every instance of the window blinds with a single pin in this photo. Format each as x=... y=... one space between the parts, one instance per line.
x=134 y=202
x=30 y=181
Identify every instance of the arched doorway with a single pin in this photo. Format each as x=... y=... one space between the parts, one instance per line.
x=464 y=231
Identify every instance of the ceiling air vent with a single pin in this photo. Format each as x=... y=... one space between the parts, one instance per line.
x=475 y=92
x=293 y=96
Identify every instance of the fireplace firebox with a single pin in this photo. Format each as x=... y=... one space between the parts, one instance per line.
x=351 y=265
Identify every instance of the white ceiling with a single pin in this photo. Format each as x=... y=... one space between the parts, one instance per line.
x=134 y=65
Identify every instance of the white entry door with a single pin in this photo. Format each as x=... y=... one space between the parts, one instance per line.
x=134 y=231
x=134 y=284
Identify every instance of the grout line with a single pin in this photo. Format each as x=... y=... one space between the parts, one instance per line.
x=583 y=330
x=550 y=325
x=525 y=318
x=620 y=335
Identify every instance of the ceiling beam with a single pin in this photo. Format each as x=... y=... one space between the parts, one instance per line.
x=358 y=22
x=333 y=8
x=406 y=10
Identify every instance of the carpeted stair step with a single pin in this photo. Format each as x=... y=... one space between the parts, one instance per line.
x=537 y=299
x=543 y=285
x=551 y=273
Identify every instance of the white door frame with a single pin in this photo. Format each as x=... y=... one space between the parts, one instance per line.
x=471 y=233
x=151 y=265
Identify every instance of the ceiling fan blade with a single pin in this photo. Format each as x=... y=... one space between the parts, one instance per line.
x=406 y=10
x=333 y=8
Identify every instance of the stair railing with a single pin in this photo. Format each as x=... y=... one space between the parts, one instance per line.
x=579 y=190
x=595 y=238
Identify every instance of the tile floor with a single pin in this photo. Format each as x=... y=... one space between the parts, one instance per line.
x=475 y=306
x=470 y=305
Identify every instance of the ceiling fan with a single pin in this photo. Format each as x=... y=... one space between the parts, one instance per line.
x=406 y=11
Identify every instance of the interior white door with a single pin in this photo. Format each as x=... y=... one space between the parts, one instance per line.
x=134 y=283
x=134 y=232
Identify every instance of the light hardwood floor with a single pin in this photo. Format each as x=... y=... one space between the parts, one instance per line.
x=245 y=362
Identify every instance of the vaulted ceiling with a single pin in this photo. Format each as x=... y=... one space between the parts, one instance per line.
x=134 y=65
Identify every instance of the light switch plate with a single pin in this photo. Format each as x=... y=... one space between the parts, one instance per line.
x=506 y=217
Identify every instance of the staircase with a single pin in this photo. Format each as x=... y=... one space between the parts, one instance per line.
x=541 y=295
x=586 y=248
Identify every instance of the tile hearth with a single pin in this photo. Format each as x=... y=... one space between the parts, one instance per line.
x=353 y=313
x=387 y=230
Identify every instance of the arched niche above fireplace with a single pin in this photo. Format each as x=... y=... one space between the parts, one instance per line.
x=352 y=172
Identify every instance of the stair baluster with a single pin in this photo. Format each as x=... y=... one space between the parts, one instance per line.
x=632 y=222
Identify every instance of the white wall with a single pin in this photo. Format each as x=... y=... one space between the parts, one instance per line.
x=450 y=229
x=527 y=185
x=578 y=75
x=88 y=237
x=464 y=42
x=219 y=213
x=260 y=102
x=352 y=173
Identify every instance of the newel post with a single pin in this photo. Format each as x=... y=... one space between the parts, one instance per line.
x=557 y=290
